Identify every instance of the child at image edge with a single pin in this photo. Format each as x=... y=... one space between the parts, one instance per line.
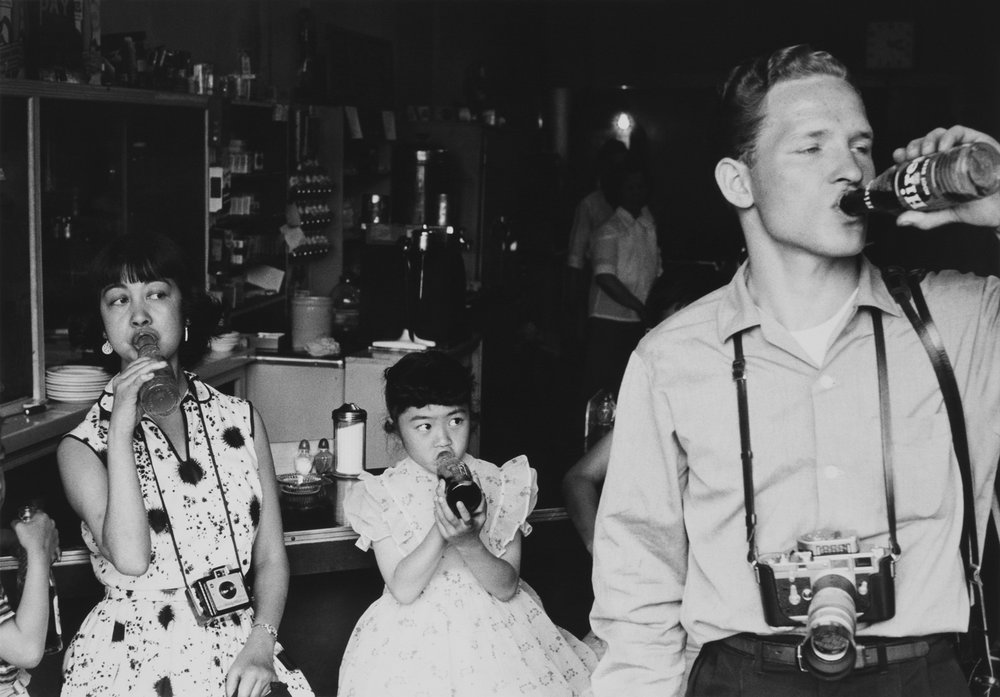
x=22 y=635
x=455 y=619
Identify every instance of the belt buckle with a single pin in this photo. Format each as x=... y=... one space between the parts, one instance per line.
x=798 y=658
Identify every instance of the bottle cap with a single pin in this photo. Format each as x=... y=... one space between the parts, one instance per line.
x=349 y=413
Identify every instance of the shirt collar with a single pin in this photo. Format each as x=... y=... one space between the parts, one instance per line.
x=644 y=214
x=738 y=312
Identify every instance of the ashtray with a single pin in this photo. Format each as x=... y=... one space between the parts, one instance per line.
x=300 y=484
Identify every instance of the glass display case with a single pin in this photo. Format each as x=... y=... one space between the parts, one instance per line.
x=80 y=165
x=18 y=352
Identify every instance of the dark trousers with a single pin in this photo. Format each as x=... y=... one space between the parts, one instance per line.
x=609 y=345
x=721 y=671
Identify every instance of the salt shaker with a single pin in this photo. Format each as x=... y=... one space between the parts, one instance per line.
x=303 y=460
x=323 y=459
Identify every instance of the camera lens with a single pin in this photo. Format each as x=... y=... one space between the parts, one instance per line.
x=829 y=650
x=227 y=589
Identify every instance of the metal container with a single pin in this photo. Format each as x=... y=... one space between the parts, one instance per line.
x=349 y=439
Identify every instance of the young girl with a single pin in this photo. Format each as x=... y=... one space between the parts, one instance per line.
x=172 y=501
x=455 y=619
x=22 y=635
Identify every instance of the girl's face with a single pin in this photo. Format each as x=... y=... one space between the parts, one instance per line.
x=147 y=307
x=433 y=430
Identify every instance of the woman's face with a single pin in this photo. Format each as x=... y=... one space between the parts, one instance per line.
x=154 y=307
x=434 y=430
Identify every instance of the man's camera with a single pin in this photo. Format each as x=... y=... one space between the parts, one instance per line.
x=827 y=584
x=221 y=592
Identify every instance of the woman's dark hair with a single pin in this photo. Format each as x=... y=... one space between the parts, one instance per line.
x=145 y=257
x=744 y=91
x=426 y=377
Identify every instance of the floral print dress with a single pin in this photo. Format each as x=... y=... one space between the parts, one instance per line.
x=455 y=639
x=143 y=637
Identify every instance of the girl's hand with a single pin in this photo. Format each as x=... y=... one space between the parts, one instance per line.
x=252 y=673
x=461 y=530
x=127 y=383
x=38 y=536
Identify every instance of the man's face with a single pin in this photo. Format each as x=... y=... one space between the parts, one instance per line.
x=814 y=144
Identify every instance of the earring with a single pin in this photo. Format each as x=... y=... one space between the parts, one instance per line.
x=186 y=330
x=106 y=348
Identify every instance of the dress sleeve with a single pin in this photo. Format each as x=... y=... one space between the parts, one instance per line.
x=366 y=507
x=512 y=493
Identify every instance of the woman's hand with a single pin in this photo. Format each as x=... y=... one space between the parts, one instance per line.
x=983 y=212
x=252 y=673
x=128 y=382
x=461 y=530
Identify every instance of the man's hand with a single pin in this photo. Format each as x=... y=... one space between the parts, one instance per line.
x=982 y=212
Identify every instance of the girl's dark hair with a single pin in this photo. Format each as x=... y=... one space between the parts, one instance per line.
x=427 y=377
x=744 y=91
x=145 y=257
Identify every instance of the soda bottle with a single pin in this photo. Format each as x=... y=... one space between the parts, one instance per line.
x=53 y=635
x=930 y=182
x=160 y=396
x=346 y=297
x=458 y=484
x=601 y=410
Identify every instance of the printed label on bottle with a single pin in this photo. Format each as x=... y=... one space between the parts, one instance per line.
x=913 y=184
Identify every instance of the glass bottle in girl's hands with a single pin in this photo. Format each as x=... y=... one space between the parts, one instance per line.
x=458 y=484
x=161 y=395
x=53 y=635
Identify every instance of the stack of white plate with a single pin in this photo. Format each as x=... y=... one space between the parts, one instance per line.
x=75 y=383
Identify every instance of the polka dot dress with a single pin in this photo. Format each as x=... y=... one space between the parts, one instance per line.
x=143 y=637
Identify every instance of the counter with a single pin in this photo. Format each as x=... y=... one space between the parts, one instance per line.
x=294 y=394
x=26 y=438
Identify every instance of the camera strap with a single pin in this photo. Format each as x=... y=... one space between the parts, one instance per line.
x=904 y=287
x=225 y=505
x=746 y=453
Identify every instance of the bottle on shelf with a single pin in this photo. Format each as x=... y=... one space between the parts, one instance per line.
x=346 y=297
x=161 y=395
x=930 y=182
x=53 y=635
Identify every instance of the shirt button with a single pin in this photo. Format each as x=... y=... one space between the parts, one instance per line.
x=826 y=382
x=831 y=471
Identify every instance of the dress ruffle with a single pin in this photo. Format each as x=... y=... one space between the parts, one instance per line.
x=399 y=503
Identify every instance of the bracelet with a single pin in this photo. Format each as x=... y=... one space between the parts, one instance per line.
x=269 y=628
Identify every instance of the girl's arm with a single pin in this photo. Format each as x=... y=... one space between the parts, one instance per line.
x=498 y=575
x=581 y=488
x=108 y=499
x=406 y=576
x=252 y=672
x=22 y=638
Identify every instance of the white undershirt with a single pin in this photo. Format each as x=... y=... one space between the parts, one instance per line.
x=816 y=340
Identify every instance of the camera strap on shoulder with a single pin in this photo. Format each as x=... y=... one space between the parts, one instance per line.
x=904 y=286
x=225 y=505
x=746 y=453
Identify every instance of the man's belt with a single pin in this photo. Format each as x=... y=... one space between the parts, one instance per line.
x=785 y=653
